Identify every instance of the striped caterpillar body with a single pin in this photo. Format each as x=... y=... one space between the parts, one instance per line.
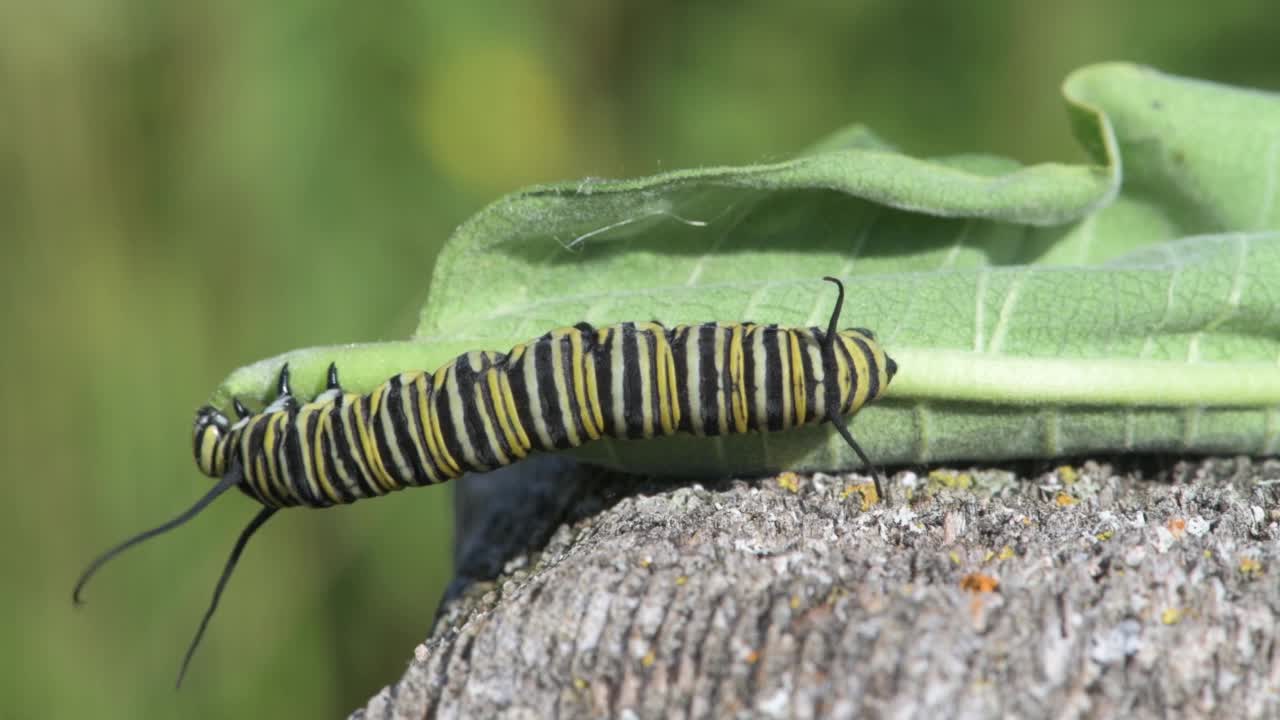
x=485 y=409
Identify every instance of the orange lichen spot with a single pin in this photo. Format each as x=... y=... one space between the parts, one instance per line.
x=648 y=659
x=789 y=481
x=1068 y=475
x=979 y=583
x=1250 y=567
x=1006 y=552
x=753 y=657
x=1105 y=535
x=682 y=580
x=1176 y=526
x=868 y=491
x=1065 y=500
x=1171 y=616
x=869 y=495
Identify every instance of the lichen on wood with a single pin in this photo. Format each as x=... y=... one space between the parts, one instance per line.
x=1134 y=587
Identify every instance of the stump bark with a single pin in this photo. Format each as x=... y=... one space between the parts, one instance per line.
x=1083 y=591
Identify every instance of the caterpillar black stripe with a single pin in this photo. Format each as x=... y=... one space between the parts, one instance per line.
x=485 y=409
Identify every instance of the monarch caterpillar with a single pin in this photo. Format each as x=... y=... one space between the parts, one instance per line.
x=485 y=409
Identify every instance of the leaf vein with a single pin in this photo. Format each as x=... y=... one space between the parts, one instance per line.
x=1006 y=315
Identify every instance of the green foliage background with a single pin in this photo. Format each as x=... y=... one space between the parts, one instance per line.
x=187 y=188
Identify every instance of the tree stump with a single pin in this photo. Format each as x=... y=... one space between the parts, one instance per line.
x=1094 y=590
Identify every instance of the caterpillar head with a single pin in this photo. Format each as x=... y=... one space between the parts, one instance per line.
x=211 y=437
x=209 y=440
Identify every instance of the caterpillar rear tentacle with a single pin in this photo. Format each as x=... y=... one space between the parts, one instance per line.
x=487 y=409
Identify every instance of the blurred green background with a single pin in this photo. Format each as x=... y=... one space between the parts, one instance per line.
x=187 y=187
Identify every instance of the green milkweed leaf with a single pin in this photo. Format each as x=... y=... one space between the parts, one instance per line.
x=1033 y=310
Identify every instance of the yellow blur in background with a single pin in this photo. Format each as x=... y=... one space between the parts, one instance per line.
x=188 y=187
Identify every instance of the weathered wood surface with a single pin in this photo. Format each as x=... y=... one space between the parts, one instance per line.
x=1134 y=591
